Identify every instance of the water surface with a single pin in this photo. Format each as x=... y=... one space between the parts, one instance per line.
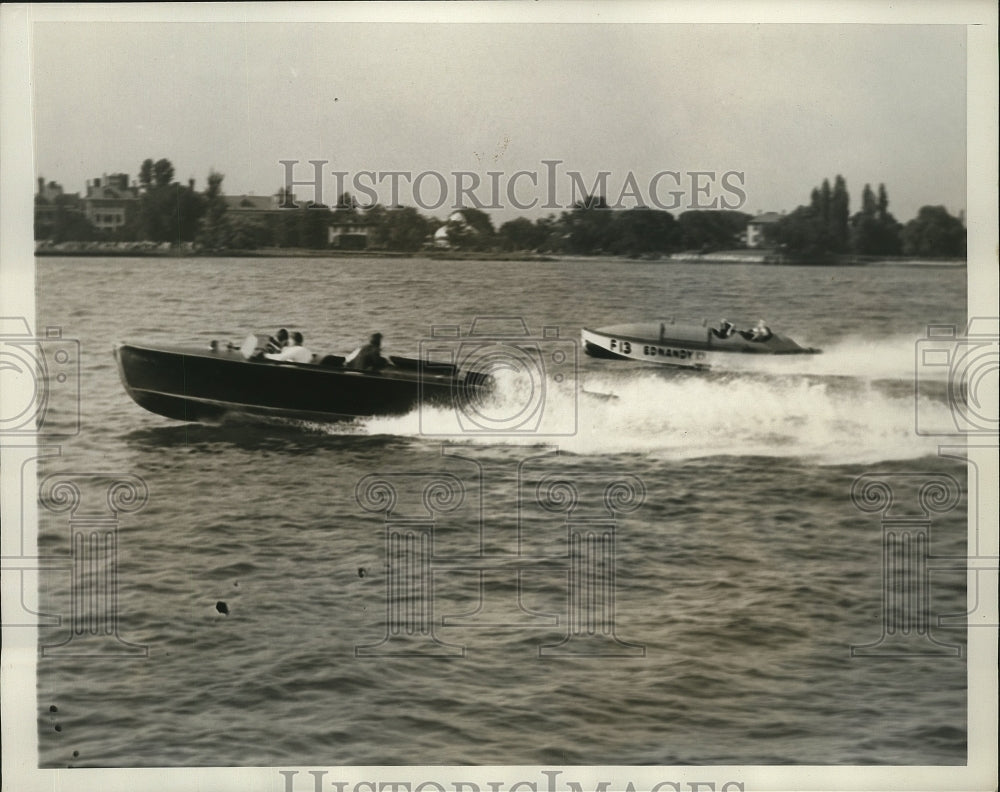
x=741 y=581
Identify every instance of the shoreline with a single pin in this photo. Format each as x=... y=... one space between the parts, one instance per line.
x=89 y=250
x=843 y=260
x=92 y=250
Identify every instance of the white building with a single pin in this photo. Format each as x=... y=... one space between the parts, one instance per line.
x=756 y=226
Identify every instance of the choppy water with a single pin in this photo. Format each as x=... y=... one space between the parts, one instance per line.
x=741 y=580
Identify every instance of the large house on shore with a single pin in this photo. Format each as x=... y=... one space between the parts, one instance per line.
x=110 y=201
x=49 y=199
x=346 y=230
x=349 y=231
x=756 y=228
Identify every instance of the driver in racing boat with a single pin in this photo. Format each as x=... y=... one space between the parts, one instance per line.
x=295 y=352
x=369 y=357
x=761 y=332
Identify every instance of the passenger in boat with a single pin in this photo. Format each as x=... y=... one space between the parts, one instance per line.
x=761 y=332
x=295 y=352
x=277 y=342
x=369 y=357
x=725 y=330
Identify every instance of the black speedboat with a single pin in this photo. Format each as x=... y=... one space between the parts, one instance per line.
x=209 y=384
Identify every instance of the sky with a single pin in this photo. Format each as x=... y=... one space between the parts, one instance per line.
x=782 y=106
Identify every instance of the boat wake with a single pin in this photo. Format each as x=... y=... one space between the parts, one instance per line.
x=852 y=356
x=853 y=404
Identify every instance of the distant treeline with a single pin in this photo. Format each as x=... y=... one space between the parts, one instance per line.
x=162 y=210
x=826 y=228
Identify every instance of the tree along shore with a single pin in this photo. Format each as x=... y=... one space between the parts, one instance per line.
x=160 y=217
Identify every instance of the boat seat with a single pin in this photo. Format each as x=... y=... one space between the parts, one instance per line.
x=333 y=361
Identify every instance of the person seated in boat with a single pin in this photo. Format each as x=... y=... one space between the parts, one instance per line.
x=368 y=357
x=724 y=330
x=277 y=342
x=295 y=352
x=761 y=332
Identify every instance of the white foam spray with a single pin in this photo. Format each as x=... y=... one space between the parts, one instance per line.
x=893 y=357
x=852 y=404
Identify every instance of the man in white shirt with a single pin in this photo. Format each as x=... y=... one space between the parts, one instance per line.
x=295 y=352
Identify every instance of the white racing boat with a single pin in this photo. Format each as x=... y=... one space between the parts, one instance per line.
x=698 y=346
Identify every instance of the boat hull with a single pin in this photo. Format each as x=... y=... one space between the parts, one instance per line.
x=210 y=385
x=681 y=345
